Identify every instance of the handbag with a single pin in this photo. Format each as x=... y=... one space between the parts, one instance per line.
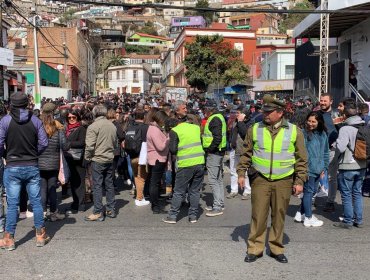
x=75 y=153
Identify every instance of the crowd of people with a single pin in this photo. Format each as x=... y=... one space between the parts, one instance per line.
x=164 y=149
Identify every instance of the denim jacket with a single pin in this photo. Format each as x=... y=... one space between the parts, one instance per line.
x=317 y=152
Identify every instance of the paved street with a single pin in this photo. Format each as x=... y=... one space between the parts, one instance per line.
x=137 y=245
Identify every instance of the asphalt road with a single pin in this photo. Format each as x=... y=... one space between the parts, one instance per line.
x=138 y=245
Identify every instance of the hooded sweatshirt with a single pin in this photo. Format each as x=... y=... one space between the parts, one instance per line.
x=24 y=137
x=345 y=144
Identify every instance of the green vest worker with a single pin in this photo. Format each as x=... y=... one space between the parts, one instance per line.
x=214 y=144
x=186 y=144
x=275 y=157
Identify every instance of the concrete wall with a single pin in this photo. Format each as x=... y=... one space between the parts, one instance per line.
x=126 y=79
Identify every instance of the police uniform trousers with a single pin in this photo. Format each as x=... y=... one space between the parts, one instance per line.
x=265 y=195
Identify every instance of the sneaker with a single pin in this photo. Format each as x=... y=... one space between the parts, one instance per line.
x=312 y=222
x=193 y=220
x=22 y=215
x=210 y=208
x=7 y=242
x=111 y=214
x=329 y=207
x=1 y=229
x=299 y=217
x=55 y=216
x=322 y=192
x=232 y=195
x=142 y=202
x=127 y=182
x=214 y=213
x=355 y=224
x=246 y=196
x=95 y=217
x=169 y=220
x=342 y=225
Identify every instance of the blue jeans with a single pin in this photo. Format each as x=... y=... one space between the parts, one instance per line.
x=2 y=219
x=16 y=178
x=350 y=185
x=309 y=190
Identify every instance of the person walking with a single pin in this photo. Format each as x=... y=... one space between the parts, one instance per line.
x=101 y=142
x=49 y=161
x=185 y=143
x=25 y=139
x=214 y=144
x=275 y=157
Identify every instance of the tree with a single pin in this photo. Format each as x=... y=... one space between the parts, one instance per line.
x=211 y=60
x=292 y=20
x=208 y=16
x=149 y=28
x=115 y=60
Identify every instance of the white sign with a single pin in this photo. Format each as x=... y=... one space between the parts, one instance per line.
x=176 y=93
x=6 y=57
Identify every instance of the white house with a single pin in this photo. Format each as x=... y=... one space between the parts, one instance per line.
x=130 y=79
x=279 y=65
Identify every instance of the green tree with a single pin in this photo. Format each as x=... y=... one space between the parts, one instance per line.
x=149 y=28
x=138 y=49
x=211 y=60
x=292 y=20
x=208 y=16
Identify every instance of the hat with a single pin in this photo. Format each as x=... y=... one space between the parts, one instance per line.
x=48 y=107
x=19 y=99
x=210 y=104
x=271 y=104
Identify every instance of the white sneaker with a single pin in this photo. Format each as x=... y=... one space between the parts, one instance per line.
x=299 y=217
x=322 y=192
x=312 y=222
x=22 y=215
x=127 y=182
x=141 y=202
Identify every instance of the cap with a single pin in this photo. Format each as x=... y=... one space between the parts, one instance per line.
x=48 y=107
x=211 y=104
x=271 y=104
x=19 y=99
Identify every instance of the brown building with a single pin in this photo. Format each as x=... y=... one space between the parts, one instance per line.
x=80 y=56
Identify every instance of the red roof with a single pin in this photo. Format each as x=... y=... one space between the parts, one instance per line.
x=153 y=36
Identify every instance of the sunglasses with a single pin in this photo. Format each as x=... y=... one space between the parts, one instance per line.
x=72 y=117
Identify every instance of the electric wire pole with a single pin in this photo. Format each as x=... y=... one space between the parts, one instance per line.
x=324 y=49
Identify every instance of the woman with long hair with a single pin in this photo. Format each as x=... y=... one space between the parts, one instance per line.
x=317 y=147
x=49 y=161
x=76 y=134
x=158 y=151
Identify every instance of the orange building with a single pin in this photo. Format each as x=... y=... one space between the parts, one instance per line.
x=242 y=40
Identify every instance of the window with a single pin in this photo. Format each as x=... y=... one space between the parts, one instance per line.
x=110 y=75
x=123 y=75
x=264 y=55
x=117 y=75
x=289 y=71
x=135 y=76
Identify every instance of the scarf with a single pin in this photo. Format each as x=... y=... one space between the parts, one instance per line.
x=71 y=128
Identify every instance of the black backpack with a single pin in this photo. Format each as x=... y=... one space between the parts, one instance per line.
x=133 y=139
x=362 y=145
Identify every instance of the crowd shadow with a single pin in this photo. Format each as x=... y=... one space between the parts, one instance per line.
x=51 y=229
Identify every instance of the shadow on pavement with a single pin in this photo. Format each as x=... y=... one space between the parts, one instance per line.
x=51 y=229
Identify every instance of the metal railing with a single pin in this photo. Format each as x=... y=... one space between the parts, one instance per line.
x=353 y=90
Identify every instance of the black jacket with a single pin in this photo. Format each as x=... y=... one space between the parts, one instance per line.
x=120 y=136
x=50 y=158
x=215 y=126
x=76 y=139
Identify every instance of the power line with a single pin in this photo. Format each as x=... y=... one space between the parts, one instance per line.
x=209 y=9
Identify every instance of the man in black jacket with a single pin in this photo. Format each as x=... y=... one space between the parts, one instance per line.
x=25 y=139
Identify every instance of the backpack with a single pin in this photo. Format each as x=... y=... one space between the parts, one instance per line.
x=362 y=144
x=133 y=139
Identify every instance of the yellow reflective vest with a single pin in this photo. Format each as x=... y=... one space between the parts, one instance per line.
x=207 y=135
x=274 y=158
x=190 y=151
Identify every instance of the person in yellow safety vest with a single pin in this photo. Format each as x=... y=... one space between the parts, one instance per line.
x=214 y=144
x=185 y=143
x=275 y=157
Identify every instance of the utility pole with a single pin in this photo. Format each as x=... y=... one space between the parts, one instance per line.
x=65 y=65
x=324 y=49
x=37 y=92
x=1 y=45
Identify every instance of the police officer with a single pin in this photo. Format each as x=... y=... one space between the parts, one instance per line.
x=214 y=144
x=186 y=144
x=275 y=157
